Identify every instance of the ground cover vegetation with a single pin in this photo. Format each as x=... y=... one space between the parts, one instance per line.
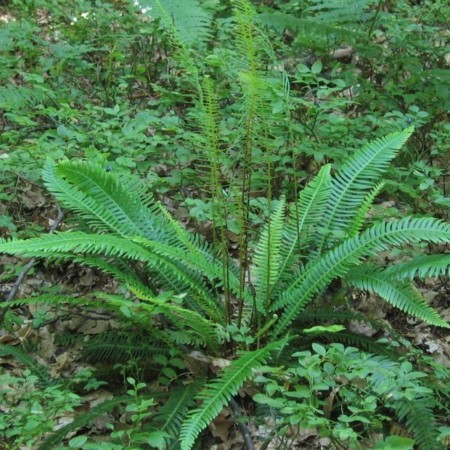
x=247 y=204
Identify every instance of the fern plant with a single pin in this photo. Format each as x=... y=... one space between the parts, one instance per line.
x=302 y=249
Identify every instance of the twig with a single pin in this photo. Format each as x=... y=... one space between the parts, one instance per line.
x=30 y=263
x=236 y=410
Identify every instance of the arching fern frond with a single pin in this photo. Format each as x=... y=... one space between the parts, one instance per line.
x=337 y=262
x=118 y=346
x=399 y=294
x=218 y=392
x=22 y=357
x=106 y=202
x=421 y=266
x=356 y=177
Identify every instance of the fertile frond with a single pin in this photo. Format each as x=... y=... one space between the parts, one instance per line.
x=337 y=262
x=421 y=266
x=356 y=177
x=218 y=393
x=267 y=256
x=188 y=22
x=399 y=294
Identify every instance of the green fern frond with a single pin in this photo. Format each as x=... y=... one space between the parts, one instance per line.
x=171 y=415
x=114 y=246
x=356 y=177
x=38 y=369
x=304 y=219
x=267 y=257
x=420 y=420
x=401 y=295
x=362 y=342
x=207 y=266
x=82 y=420
x=307 y=26
x=13 y=98
x=359 y=219
x=118 y=346
x=193 y=322
x=188 y=22
x=341 y=11
x=106 y=202
x=421 y=266
x=50 y=299
x=218 y=392
x=337 y=262
x=77 y=242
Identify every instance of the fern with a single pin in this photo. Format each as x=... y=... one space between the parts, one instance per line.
x=356 y=177
x=171 y=415
x=399 y=294
x=418 y=415
x=107 y=203
x=421 y=266
x=341 y=11
x=216 y=394
x=82 y=420
x=23 y=358
x=117 y=346
x=337 y=262
x=188 y=22
x=359 y=219
x=267 y=257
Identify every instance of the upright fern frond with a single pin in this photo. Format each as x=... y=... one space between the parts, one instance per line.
x=359 y=219
x=188 y=22
x=170 y=416
x=218 y=393
x=267 y=257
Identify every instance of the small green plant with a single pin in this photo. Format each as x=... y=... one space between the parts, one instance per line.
x=340 y=392
x=30 y=409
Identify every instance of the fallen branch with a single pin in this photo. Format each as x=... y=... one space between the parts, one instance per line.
x=236 y=410
x=13 y=292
